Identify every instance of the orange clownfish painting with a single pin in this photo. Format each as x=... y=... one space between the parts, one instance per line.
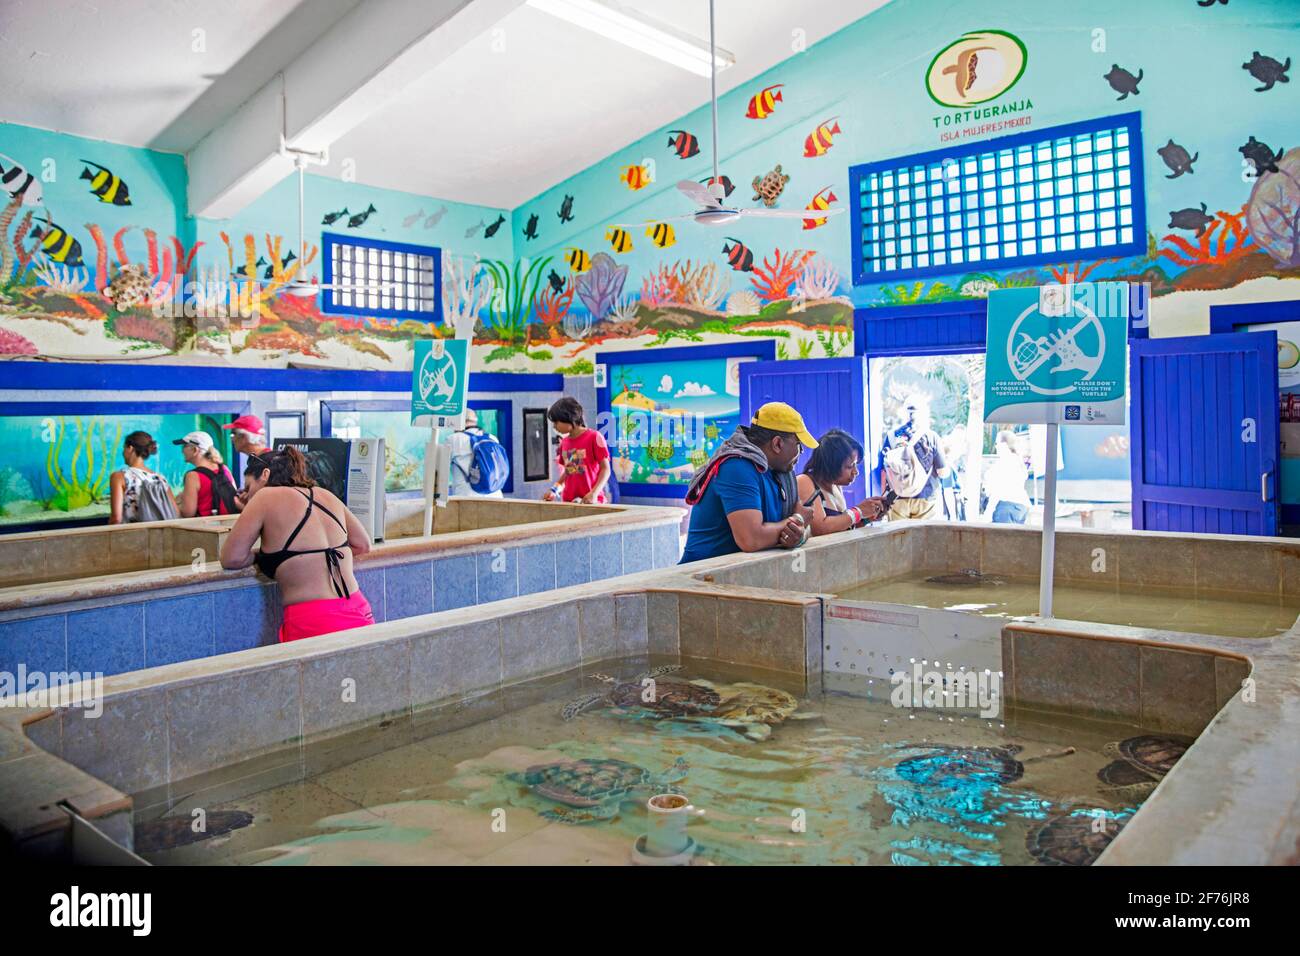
x=636 y=177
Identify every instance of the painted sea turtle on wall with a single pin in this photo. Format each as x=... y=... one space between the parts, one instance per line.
x=1267 y=70
x=769 y=187
x=1140 y=762
x=594 y=788
x=1074 y=836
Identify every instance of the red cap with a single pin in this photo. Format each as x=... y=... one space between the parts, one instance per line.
x=247 y=423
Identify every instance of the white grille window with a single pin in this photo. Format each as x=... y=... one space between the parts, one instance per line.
x=387 y=281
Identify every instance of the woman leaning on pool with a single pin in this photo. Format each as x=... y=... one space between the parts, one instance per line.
x=309 y=539
x=835 y=464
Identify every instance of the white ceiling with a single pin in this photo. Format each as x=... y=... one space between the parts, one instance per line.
x=487 y=126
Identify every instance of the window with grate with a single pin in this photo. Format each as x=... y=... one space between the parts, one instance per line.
x=389 y=279
x=1063 y=193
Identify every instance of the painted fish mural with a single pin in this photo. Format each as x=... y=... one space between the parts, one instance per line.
x=435 y=217
x=17 y=181
x=636 y=177
x=661 y=234
x=243 y=269
x=530 y=230
x=57 y=244
x=578 y=260
x=556 y=282
x=359 y=219
x=821 y=201
x=469 y=233
x=821 y=139
x=1261 y=156
x=284 y=264
x=332 y=217
x=762 y=104
x=1122 y=81
x=491 y=230
x=684 y=143
x=1268 y=71
x=739 y=256
x=1177 y=159
x=1191 y=219
x=413 y=218
x=566 y=209
x=619 y=239
x=727 y=185
x=105 y=184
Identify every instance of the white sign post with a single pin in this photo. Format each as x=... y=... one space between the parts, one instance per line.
x=1056 y=354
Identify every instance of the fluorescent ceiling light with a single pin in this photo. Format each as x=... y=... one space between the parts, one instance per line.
x=626 y=27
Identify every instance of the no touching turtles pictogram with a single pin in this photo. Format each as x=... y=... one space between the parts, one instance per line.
x=1028 y=352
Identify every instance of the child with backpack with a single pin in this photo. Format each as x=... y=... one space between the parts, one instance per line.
x=583 y=458
x=479 y=465
x=209 y=487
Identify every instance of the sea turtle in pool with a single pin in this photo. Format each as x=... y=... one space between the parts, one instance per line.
x=1140 y=762
x=594 y=788
x=1072 y=837
x=966 y=578
x=671 y=698
x=171 y=832
x=696 y=705
x=947 y=765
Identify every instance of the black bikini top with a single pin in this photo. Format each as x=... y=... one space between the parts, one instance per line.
x=268 y=562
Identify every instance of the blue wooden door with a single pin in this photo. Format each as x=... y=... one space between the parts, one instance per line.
x=1204 y=435
x=828 y=393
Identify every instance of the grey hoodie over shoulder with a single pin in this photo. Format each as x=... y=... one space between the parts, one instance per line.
x=739 y=446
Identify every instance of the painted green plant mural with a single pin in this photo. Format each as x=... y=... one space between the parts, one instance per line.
x=513 y=289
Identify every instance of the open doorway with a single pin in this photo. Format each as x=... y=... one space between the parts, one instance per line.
x=989 y=464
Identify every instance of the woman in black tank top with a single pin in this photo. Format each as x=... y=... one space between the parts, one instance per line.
x=348 y=607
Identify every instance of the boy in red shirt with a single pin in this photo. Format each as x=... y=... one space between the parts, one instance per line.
x=583 y=457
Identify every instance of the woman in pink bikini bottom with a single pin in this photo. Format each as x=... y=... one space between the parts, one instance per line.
x=309 y=539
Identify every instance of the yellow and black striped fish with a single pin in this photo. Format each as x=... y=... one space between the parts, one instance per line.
x=58 y=245
x=106 y=185
x=661 y=234
x=577 y=259
x=620 y=239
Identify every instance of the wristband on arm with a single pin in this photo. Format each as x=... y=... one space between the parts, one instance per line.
x=856 y=515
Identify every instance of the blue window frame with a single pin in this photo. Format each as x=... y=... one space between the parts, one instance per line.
x=1066 y=192
x=413 y=272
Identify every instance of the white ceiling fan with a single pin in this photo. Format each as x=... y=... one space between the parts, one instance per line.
x=709 y=198
x=303 y=287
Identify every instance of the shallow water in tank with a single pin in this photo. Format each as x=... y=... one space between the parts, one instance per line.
x=839 y=779
x=1172 y=609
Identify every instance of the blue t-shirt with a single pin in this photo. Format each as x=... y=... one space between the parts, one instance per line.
x=738 y=485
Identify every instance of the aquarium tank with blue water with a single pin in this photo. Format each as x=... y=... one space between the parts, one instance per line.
x=57 y=467
x=403 y=442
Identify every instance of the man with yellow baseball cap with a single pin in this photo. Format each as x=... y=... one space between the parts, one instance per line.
x=745 y=497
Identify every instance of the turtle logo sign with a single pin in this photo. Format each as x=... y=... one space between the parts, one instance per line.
x=439 y=383
x=1057 y=353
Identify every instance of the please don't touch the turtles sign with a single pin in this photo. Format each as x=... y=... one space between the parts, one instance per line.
x=440 y=379
x=1057 y=353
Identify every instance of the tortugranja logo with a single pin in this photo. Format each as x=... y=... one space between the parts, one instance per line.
x=979 y=67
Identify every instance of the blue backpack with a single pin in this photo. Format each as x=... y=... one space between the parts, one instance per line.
x=490 y=466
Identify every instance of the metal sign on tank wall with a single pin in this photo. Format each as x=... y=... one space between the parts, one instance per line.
x=1057 y=353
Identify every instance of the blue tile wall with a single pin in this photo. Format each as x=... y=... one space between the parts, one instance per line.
x=107 y=639
x=536 y=568
x=501 y=584
x=37 y=642
x=667 y=545
x=638 y=551
x=245 y=617
x=606 y=556
x=178 y=629
x=371 y=583
x=455 y=583
x=408 y=590
x=572 y=562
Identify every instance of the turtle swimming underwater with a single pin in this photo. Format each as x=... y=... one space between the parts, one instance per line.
x=1122 y=81
x=947 y=765
x=1261 y=156
x=967 y=577
x=1177 y=158
x=1190 y=218
x=750 y=709
x=593 y=789
x=768 y=188
x=1140 y=762
x=171 y=832
x=1071 y=837
x=1267 y=70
